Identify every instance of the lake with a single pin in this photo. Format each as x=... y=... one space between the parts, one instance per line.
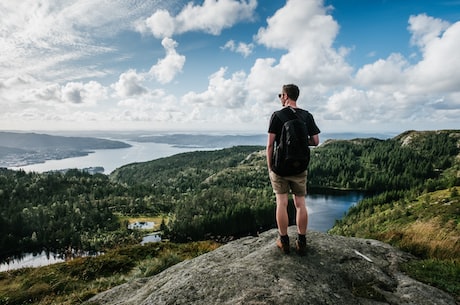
x=111 y=159
x=324 y=210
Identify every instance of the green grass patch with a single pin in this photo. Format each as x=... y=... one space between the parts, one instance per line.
x=77 y=280
x=427 y=226
x=443 y=274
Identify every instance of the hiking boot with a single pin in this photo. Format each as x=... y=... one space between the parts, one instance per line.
x=301 y=247
x=283 y=244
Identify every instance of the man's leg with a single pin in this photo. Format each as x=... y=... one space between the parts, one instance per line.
x=282 y=218
x=302 y=222
x=302 y=214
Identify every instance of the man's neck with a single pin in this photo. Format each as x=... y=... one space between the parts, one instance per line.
x=291 y=103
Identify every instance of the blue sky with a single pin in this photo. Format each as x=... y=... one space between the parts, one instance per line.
x=361 y=65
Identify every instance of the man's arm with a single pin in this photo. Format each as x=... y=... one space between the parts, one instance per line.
x=269 y=149
x=313 y=140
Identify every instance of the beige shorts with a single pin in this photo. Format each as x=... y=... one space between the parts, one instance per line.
x=297 y=184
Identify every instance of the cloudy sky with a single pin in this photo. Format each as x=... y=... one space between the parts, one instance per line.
x=218 y=65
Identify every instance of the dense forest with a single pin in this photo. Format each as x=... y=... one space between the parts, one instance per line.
x=206 y=194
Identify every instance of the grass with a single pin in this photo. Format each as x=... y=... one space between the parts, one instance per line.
x=443 y=274
x=427 y=226
x=76 y=281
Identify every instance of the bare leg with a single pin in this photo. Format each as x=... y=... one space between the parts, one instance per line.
x=302 y=214
x=282 y=218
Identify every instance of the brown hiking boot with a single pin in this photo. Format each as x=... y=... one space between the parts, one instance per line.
x=301 y=247
x=283 y=245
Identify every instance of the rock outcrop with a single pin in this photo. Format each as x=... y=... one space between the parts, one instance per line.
x=336 y=270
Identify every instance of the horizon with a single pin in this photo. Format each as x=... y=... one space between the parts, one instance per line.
x=218 y=65
x=142 y=133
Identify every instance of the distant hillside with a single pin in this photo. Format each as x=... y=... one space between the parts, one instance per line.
x=411 y=159
x=190 y=169
x=35 y=141
x=18 y=149
x=204 y=140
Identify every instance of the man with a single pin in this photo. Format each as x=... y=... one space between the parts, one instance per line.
x=297 y=184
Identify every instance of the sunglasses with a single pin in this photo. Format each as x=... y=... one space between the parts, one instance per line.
x=280 y=95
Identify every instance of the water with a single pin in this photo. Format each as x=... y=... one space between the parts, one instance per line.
x=324 y=210
x=111 y=159
x=31 y=260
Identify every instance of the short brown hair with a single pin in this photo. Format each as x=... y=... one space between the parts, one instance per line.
x=292 y=91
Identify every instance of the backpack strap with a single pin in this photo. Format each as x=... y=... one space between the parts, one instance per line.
x=285 y=117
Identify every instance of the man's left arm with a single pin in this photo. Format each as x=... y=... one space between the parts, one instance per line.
x=269 y=149
x=313 y=140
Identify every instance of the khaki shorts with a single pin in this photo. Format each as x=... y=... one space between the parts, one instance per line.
x=297 y=184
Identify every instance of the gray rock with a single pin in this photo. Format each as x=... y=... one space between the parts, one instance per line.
x=336 y=270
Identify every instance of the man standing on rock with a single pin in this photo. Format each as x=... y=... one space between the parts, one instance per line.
x=282 y=175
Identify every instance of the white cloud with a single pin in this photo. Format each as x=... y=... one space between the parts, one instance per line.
x=389 y=73
x=129 y=84
x=439 y=70
x=166 y=68
x=46 y=38
x=161 y=24
x=83 y=93
x=221 y=92
x=299 y=23
x=211 y=17
x=425 y=29
x=306 y=32
x=398 y=91
x=242 y=48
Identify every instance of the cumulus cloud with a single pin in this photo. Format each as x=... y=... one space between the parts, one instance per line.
x=161 y=24
x=129 y=84
x=389 y=72
x=211 y=17
x=166 y=68
x=221 y=92
x=439 y=69
x=83 y=93
x=396 y=89
x=306 y=32
x=425 y=29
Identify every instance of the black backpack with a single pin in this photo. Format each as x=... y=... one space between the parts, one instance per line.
x=292 y=154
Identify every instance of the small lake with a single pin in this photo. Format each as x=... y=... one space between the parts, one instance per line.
x=324 y=210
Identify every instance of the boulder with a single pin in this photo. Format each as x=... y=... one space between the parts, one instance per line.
x=335 y=270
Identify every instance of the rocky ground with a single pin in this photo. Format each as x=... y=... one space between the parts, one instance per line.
x=336 y=270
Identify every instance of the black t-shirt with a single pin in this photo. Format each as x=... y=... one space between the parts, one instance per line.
x=276 y=124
